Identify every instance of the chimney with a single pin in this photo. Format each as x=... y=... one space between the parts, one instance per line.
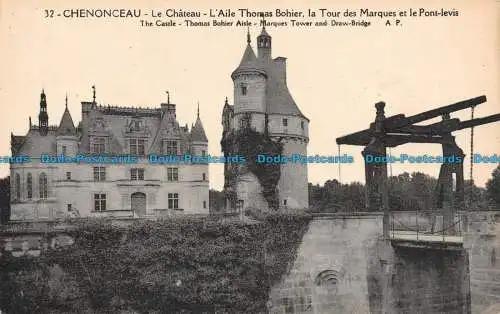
x=168 y=108
x=280 y=66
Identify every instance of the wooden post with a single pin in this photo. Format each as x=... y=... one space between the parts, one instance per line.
x=374 y=155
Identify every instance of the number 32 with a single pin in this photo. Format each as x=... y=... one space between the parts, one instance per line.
x=49 y=13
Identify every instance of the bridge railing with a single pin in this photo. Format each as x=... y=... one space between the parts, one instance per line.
x=426 y=226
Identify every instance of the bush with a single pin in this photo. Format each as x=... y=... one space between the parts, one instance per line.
x=185 y=265
x=250 y=143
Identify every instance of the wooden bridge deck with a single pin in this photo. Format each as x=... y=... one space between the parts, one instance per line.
x=421 y=240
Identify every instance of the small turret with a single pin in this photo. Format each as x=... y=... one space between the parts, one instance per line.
x=197 y=131
x=43 y=116
x=227 y=115
x=264 y=45
x=67 y=141
x=66 y=127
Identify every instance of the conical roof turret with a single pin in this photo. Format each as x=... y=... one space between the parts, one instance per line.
x=249 y=61
x=66 y=127
x=197 y=131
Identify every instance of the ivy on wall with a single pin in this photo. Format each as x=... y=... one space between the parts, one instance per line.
x=183 y=265
x=249 y=143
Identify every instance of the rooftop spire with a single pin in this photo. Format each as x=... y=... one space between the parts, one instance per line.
x=43 y=117
x=248 y=35
x=168 y=97
x=93 y=93
x=66 y=101
x=197 y=130
x=66 y=126
x=198 y=112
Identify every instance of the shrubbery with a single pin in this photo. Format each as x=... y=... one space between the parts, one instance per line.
x=184 y=265
x=250 y=143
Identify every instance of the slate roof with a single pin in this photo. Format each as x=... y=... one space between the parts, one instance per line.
x=66 y=127
x=35 y=144
x=279 y=99
x=16 y=142
x=264 y=32
x=198 y=132
x=249 y=62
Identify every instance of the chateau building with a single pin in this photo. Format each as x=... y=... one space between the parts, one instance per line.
x=42 y=190
x=263 y=103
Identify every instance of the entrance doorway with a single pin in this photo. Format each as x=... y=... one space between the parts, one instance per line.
x=138 y=203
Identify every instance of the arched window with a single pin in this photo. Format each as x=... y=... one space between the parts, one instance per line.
x=43 y=185
x=29 y=186
x=17 y=186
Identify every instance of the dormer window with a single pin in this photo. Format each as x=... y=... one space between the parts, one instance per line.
x=99 y=124
x=302 y=125
x=243 y=89
x=135 y=125
x=171 y=147
x=98 y=146
x=285 y=122
x=137 y=147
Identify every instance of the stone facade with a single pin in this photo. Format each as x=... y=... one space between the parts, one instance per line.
x=482 y=240
x=344 y=265
x=331 y=269
x=41 y=190
x=263 y=103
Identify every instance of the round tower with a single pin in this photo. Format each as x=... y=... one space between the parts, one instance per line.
x=287 y=124
x=263 y=102
x=249 y=81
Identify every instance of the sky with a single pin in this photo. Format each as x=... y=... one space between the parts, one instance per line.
x=335 y=74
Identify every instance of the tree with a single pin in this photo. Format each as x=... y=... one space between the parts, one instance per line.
x=493 y=187
x=476 y=198
x=334 y=197
x=216 y=201
x=4 y=199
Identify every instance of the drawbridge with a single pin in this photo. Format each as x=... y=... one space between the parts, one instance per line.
x=443 y=225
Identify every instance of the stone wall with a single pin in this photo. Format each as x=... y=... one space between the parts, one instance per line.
x=482 y=241
x=344 y=266
x=430 y=281
x=249 y=189
x=329 y=274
